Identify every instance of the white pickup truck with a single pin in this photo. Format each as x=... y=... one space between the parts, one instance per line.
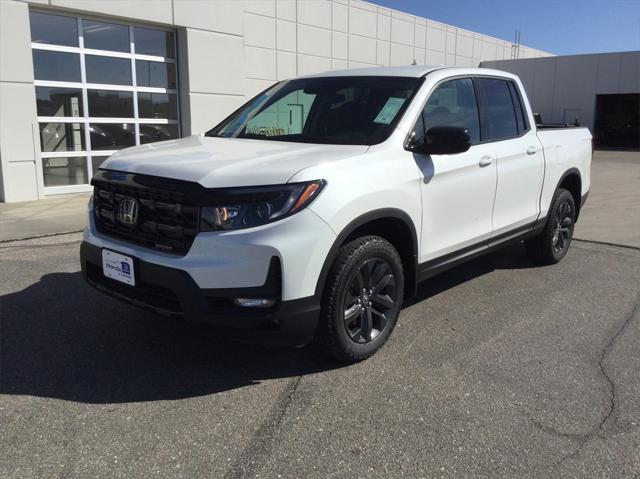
x=313 y=211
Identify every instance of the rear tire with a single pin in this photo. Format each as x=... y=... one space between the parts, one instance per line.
x=552 y=244
x=361 y=301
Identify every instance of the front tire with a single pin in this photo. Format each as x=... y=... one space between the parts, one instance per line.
x=552 y=244
x=362 y=300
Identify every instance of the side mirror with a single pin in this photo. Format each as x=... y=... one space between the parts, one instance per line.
x=443 y=140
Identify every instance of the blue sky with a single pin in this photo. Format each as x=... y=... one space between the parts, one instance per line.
x=563 y=27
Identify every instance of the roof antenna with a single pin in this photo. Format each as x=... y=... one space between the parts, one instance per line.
x=414 y=62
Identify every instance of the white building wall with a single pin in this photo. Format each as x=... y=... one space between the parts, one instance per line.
x=563 y=87
x=228 y=51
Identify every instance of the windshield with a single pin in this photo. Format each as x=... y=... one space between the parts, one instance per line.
x=337 y=110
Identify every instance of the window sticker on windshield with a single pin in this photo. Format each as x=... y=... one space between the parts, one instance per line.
x=389 y=110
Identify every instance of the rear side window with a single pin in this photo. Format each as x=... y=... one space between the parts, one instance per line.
x=517 y=105
x=453 y=103
x=497 y=112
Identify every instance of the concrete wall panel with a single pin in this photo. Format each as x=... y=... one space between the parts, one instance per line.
x=362 y=49
x=317 y=13
x=401 y=54
x=209 y=52
x=260 y=63
x=420 y=39
x=287 y=65
x=15 y=43
x=149 y=10
x=224 y=16
x=261 y=7
x=339 y=17
x=384 y=28
x=259 y=31
x=286 y=36
x=339 y=45
x=286 y=10
x=436 y=38
x=402 y=31
x=208 y=110
x=307 y=65
x=383 y=53
x=314 y=41
x=362 y=22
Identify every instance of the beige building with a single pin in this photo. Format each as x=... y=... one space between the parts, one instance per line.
x=80 y=79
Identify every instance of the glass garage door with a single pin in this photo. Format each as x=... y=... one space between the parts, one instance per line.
x=100 y=86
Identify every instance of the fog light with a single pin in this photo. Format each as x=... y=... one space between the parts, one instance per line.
x=254 y=302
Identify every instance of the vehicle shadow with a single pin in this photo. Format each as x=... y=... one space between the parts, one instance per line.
x=61 y=339
x=511 y=257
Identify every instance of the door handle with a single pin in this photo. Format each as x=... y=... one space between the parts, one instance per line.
x=532 y=150
x=486 y=160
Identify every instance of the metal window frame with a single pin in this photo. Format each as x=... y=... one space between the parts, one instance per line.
x=89 y=153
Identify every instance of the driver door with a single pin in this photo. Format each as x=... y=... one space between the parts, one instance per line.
x=458 y=190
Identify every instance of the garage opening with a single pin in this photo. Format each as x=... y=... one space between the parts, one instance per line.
x=617 y=122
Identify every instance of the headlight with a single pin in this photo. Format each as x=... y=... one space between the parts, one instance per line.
x=248 y=207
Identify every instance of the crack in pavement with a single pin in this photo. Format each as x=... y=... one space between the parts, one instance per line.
x=598 y=430
x=260 y=444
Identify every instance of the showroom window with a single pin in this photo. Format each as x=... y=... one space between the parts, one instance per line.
x=100 y=86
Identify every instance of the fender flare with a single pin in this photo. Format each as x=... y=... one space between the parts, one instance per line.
x=571 y=171
x=382 y=213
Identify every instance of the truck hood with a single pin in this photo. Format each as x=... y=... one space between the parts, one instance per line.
x=226 y=162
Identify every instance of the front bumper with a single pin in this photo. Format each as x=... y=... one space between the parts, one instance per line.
x=173 y=292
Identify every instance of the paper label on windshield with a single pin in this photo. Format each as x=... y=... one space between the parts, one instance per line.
x=389 y=110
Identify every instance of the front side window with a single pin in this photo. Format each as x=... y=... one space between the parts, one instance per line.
x=452 y=103
x=100 y=86
x=334 y=110
x=497 y=113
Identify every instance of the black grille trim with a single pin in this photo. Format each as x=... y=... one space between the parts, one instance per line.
x=168 y=212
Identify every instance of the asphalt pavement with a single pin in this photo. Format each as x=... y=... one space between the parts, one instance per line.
x=498 y=369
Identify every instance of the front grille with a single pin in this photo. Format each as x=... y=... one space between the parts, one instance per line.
x=167 y=220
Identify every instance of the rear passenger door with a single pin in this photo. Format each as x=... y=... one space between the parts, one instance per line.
x=519 y=159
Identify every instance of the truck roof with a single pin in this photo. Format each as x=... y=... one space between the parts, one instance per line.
x=415 y=71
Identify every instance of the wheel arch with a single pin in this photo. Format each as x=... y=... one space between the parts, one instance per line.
x=394 y=225
x=571 y=180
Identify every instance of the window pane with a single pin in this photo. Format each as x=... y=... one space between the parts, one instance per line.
x=112 y=136
x=115 y=71
x=498 y=115
x=154 y=42
x=106 y=36
x=54 y=29
x=345 y=110
x=56 y=66
x=453 y=103
x=59 y=101
x=96 y=161
x=65 y=171
x=62 y=136
x=515 y=97
x=288 y=115
x=105 y=103
x=151 y=133
x=157 y=105
x=155 y=74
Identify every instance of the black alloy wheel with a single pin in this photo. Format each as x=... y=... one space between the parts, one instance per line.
x=563 y=228
x=362 y=299
x=552 y=243
x=369 y=300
